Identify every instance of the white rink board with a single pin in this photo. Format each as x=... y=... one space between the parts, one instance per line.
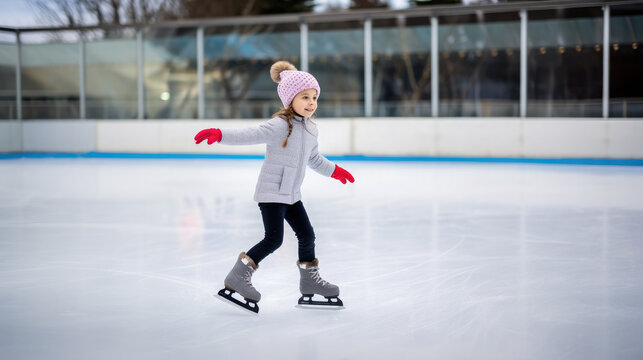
x=457 y=137
x=10 y=136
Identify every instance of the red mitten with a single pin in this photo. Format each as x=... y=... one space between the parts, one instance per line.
x=342 y=175
x=213 y=135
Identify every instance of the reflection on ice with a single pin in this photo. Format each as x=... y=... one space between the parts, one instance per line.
x=105 y=258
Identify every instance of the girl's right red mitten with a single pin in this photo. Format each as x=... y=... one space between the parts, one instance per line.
x=213 y=135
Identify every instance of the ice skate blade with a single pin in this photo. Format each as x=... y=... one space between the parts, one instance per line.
x=319 y=307
x=307 y=302
x=225 y=295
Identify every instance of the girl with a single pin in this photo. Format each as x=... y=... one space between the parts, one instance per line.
x=291 y=145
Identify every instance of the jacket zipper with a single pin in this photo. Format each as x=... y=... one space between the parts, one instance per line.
x=301 y=156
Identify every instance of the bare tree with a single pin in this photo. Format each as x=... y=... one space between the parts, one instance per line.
x=73 y=13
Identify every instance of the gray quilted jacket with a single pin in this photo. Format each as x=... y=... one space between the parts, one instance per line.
x=283 y=169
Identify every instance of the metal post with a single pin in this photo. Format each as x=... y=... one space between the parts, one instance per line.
x=606 y=61
x=523 y=63
x=140 y=79
x=435 y=68
x=81 y=78
x=199 y=71
x=18 y=76
x=303 y=44
x=368 y=68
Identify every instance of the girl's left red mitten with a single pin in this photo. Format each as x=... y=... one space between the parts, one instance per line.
x=213 y=135
x=342 y=175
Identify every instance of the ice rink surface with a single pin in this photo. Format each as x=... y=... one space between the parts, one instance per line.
x=119 y=259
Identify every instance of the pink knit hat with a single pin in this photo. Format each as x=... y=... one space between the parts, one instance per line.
x=291 y=81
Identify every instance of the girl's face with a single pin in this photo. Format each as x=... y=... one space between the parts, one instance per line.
x=305 y=103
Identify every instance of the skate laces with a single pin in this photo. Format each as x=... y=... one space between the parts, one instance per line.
x=314 y=272
x=246 y=277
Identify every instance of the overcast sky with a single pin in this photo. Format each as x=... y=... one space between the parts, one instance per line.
x=19 y=13
x=16 y=13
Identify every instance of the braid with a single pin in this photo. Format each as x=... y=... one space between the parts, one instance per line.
x=289 y=132
x=286 y=114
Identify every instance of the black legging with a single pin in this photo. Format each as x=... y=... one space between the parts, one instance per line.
x=273 y=215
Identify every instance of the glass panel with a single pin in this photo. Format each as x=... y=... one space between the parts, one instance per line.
x=171 y=88
x=565 y=63
x=402 y=67
x=111 y=79
x=7 y=37
x=50 y=80
x=480 y=65
x=336 y=59
x=626 y=61
x=237 y=68
x=8 y=59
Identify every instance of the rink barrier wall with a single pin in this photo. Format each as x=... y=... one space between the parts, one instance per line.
x=490 y=138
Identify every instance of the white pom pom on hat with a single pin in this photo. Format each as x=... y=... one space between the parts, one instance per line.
x=291 y=81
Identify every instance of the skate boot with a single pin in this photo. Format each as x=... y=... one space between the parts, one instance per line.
x=311 y=283
x=239 y=281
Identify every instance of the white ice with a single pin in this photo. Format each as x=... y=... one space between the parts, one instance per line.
x=119 y=259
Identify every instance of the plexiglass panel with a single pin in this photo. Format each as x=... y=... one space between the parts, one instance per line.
x=626 y=61
x=171 y=87
x=479 y=65
x=237 y=68
x=50 y=80
x=336 y=59
x=8 y=59
x=402 y=67
x=111 y=79
x=565 y=63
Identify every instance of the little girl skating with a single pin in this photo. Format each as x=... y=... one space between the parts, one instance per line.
x=291 y=145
